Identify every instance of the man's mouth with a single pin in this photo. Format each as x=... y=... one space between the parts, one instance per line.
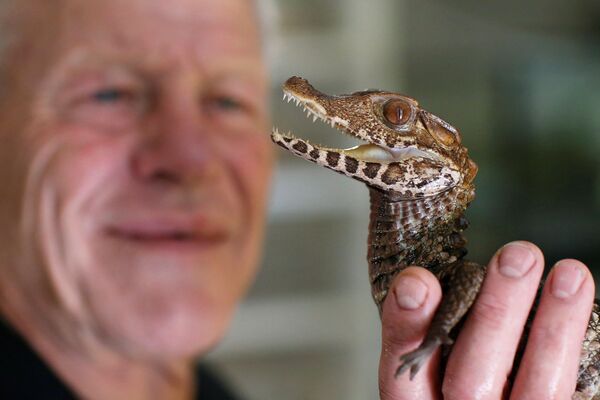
x=149 y=233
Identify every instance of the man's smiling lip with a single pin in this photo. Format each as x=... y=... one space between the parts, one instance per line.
x=164 y=232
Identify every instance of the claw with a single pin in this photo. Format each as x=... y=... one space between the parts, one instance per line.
x=414 y=360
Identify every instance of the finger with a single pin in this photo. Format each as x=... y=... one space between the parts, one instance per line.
x=484 y=351
x=407 y=312
x=549 y=366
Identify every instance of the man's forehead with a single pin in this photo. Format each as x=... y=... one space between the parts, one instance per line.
x=137 y=25
x=179 y=10
x=134 y=24
x=153 y=34
x=77 y=13
x=117 y=60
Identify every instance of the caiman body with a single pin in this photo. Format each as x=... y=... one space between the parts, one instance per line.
x=420 y=180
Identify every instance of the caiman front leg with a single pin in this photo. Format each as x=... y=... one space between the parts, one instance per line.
x=461 y=282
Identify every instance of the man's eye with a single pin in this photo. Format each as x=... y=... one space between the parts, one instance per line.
x=227 y=103
x=107 y=107
x=111 y=95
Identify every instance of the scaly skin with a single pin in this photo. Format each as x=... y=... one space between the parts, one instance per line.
x=420 y=180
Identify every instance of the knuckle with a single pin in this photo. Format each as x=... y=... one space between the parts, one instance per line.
x=548 y=335
x=403 y=332
x=490 y=310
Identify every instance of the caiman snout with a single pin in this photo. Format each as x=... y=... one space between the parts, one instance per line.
x=303 y=89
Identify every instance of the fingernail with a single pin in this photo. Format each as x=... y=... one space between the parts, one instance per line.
x=410 y=292
x=566 y=279
x=515 y=260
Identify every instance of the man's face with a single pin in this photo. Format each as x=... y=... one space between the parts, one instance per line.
x=138 y=129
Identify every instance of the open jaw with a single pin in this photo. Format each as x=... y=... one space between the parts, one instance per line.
x=409 y=170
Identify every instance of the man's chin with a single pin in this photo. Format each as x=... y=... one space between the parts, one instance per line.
x=163 y=303
x=163 y=265
x=185 y=332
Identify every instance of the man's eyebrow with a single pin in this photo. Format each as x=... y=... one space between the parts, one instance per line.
x=243 y=68
x=84 y=60
x=66 y=72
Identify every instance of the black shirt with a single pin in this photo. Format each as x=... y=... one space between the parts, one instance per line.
x=24 y=375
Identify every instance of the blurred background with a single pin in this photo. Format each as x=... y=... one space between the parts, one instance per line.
x=520 y=80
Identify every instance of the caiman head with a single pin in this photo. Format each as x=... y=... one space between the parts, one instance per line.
x=409 y=153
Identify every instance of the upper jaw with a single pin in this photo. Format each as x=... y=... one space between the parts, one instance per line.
x=313 y=109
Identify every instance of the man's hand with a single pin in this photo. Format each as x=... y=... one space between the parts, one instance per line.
x=482 y=357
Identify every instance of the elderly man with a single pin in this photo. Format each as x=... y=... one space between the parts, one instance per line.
x=135 y=162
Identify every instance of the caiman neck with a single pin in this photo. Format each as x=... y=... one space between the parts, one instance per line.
x=426 y=232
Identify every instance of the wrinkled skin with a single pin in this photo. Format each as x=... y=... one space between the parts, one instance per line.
x=135 y=161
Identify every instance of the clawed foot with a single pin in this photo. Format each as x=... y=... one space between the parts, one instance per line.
x=416 y=358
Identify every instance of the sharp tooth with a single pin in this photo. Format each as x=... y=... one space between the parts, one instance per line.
x=314 y=118
x=332 y=123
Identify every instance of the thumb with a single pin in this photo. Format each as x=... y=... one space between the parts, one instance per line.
x=407 y=312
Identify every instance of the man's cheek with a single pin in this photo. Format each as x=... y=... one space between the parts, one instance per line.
x=253 y=162
x=91 y=162
x=76 y=182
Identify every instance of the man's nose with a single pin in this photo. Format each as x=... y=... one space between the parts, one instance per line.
x=177 y=146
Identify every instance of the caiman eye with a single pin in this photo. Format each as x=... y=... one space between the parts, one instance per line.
x=396 y=112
